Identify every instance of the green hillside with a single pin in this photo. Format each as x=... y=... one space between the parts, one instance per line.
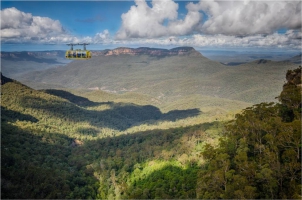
x=102 y=114
x=57 y=144
x=77 y=115
x=54 y=143
x=260 y=155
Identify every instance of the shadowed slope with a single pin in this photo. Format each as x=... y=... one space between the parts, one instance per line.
x=78 y=100
x=116 y=116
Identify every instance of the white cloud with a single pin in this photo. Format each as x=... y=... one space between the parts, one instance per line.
x=47 y=25
x=11 y=18
x=240 y=18
x=19 y=27
x=249 y=17
x=186 y=26
x=17 y=24
x=102 y=37
x=154 y=26
x=142 y=21
x=288 y=40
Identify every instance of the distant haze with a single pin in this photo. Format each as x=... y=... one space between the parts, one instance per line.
x=169 y=74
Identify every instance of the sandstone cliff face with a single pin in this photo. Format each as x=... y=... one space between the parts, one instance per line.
x=152 y=51
x=291 y=93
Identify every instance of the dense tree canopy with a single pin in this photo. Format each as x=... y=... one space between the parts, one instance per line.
x=52 y=147
x=260 y=155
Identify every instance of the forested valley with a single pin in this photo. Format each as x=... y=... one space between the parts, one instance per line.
x=57 y=145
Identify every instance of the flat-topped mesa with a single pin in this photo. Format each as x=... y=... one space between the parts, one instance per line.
x=152 y=51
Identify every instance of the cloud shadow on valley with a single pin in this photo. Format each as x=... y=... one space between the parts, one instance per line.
x=120 y=116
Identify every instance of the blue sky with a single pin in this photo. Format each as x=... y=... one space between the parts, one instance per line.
x=43 y=25
x=78 y=17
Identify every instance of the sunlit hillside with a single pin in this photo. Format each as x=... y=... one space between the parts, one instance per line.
x=71 y=138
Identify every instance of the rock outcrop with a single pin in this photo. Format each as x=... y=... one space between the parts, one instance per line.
x=5 y=79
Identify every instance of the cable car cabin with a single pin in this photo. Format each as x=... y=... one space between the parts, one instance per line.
x=78 y=54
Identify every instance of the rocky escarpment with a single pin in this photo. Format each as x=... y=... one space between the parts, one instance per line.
x=291 y=93
x=5 y=79
x=151 y=51
x=294 y=77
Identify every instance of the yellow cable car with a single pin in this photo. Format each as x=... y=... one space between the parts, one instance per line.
x=78 y=54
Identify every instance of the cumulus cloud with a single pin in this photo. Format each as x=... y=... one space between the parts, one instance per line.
x=274 y=40
x=288 y=40
x=227 y=24
x=17 y=24
x=240 y=18
x=19 y=27
x=249 y=17
x=102 y=37
x=142 y=21
x=11 y=18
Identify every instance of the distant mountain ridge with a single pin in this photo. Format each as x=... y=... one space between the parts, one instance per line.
x=15 y=64
x=166 y=75
x=148 y=51
x=296 y=59
x=37 y=56
x=50 y=57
